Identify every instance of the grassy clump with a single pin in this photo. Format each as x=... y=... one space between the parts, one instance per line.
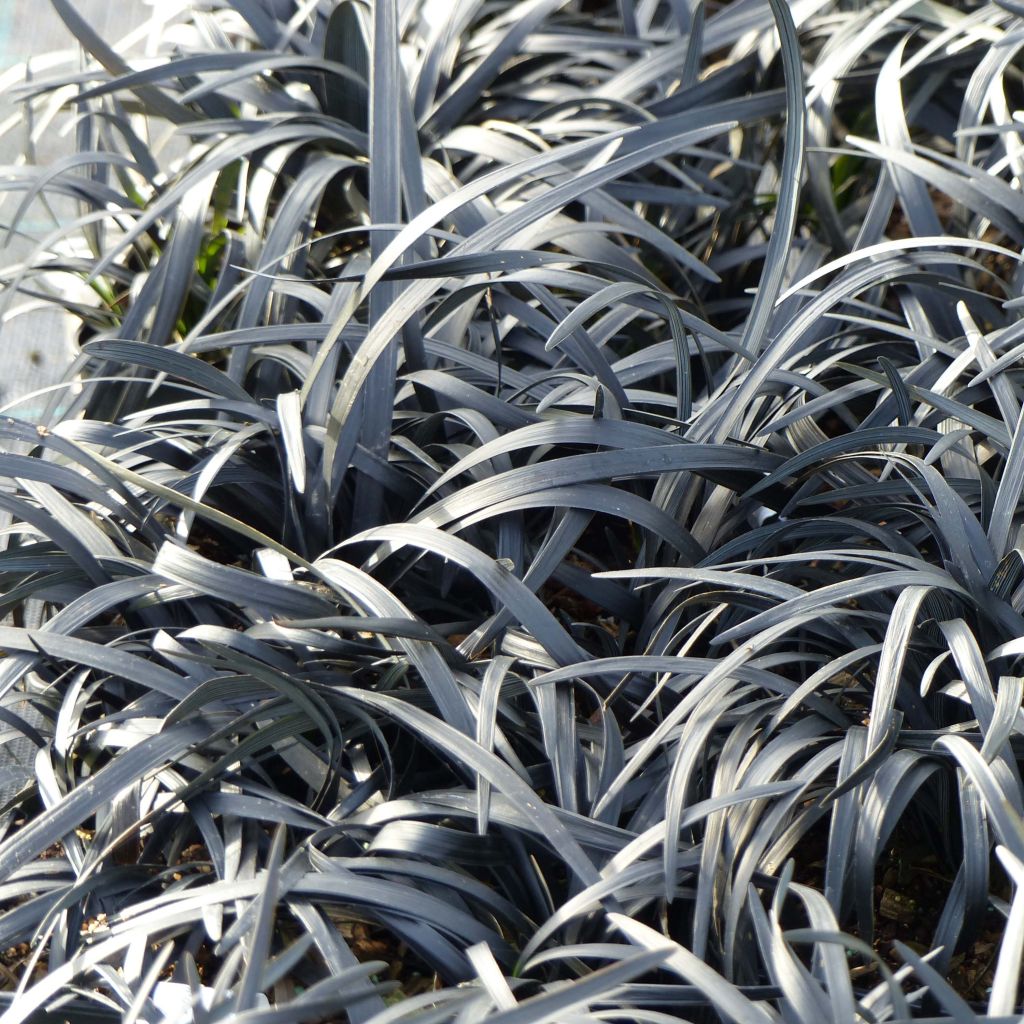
x=533 y=532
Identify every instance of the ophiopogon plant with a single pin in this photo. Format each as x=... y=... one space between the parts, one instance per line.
x=532 y=530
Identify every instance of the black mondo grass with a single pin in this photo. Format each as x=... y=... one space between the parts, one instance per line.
x=533 y=531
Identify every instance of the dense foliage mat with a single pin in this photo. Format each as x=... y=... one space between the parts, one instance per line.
x=534 y=530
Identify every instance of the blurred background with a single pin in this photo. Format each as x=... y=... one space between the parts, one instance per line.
x=36 y=346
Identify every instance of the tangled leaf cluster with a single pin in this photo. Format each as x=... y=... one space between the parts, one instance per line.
x=533 y=532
